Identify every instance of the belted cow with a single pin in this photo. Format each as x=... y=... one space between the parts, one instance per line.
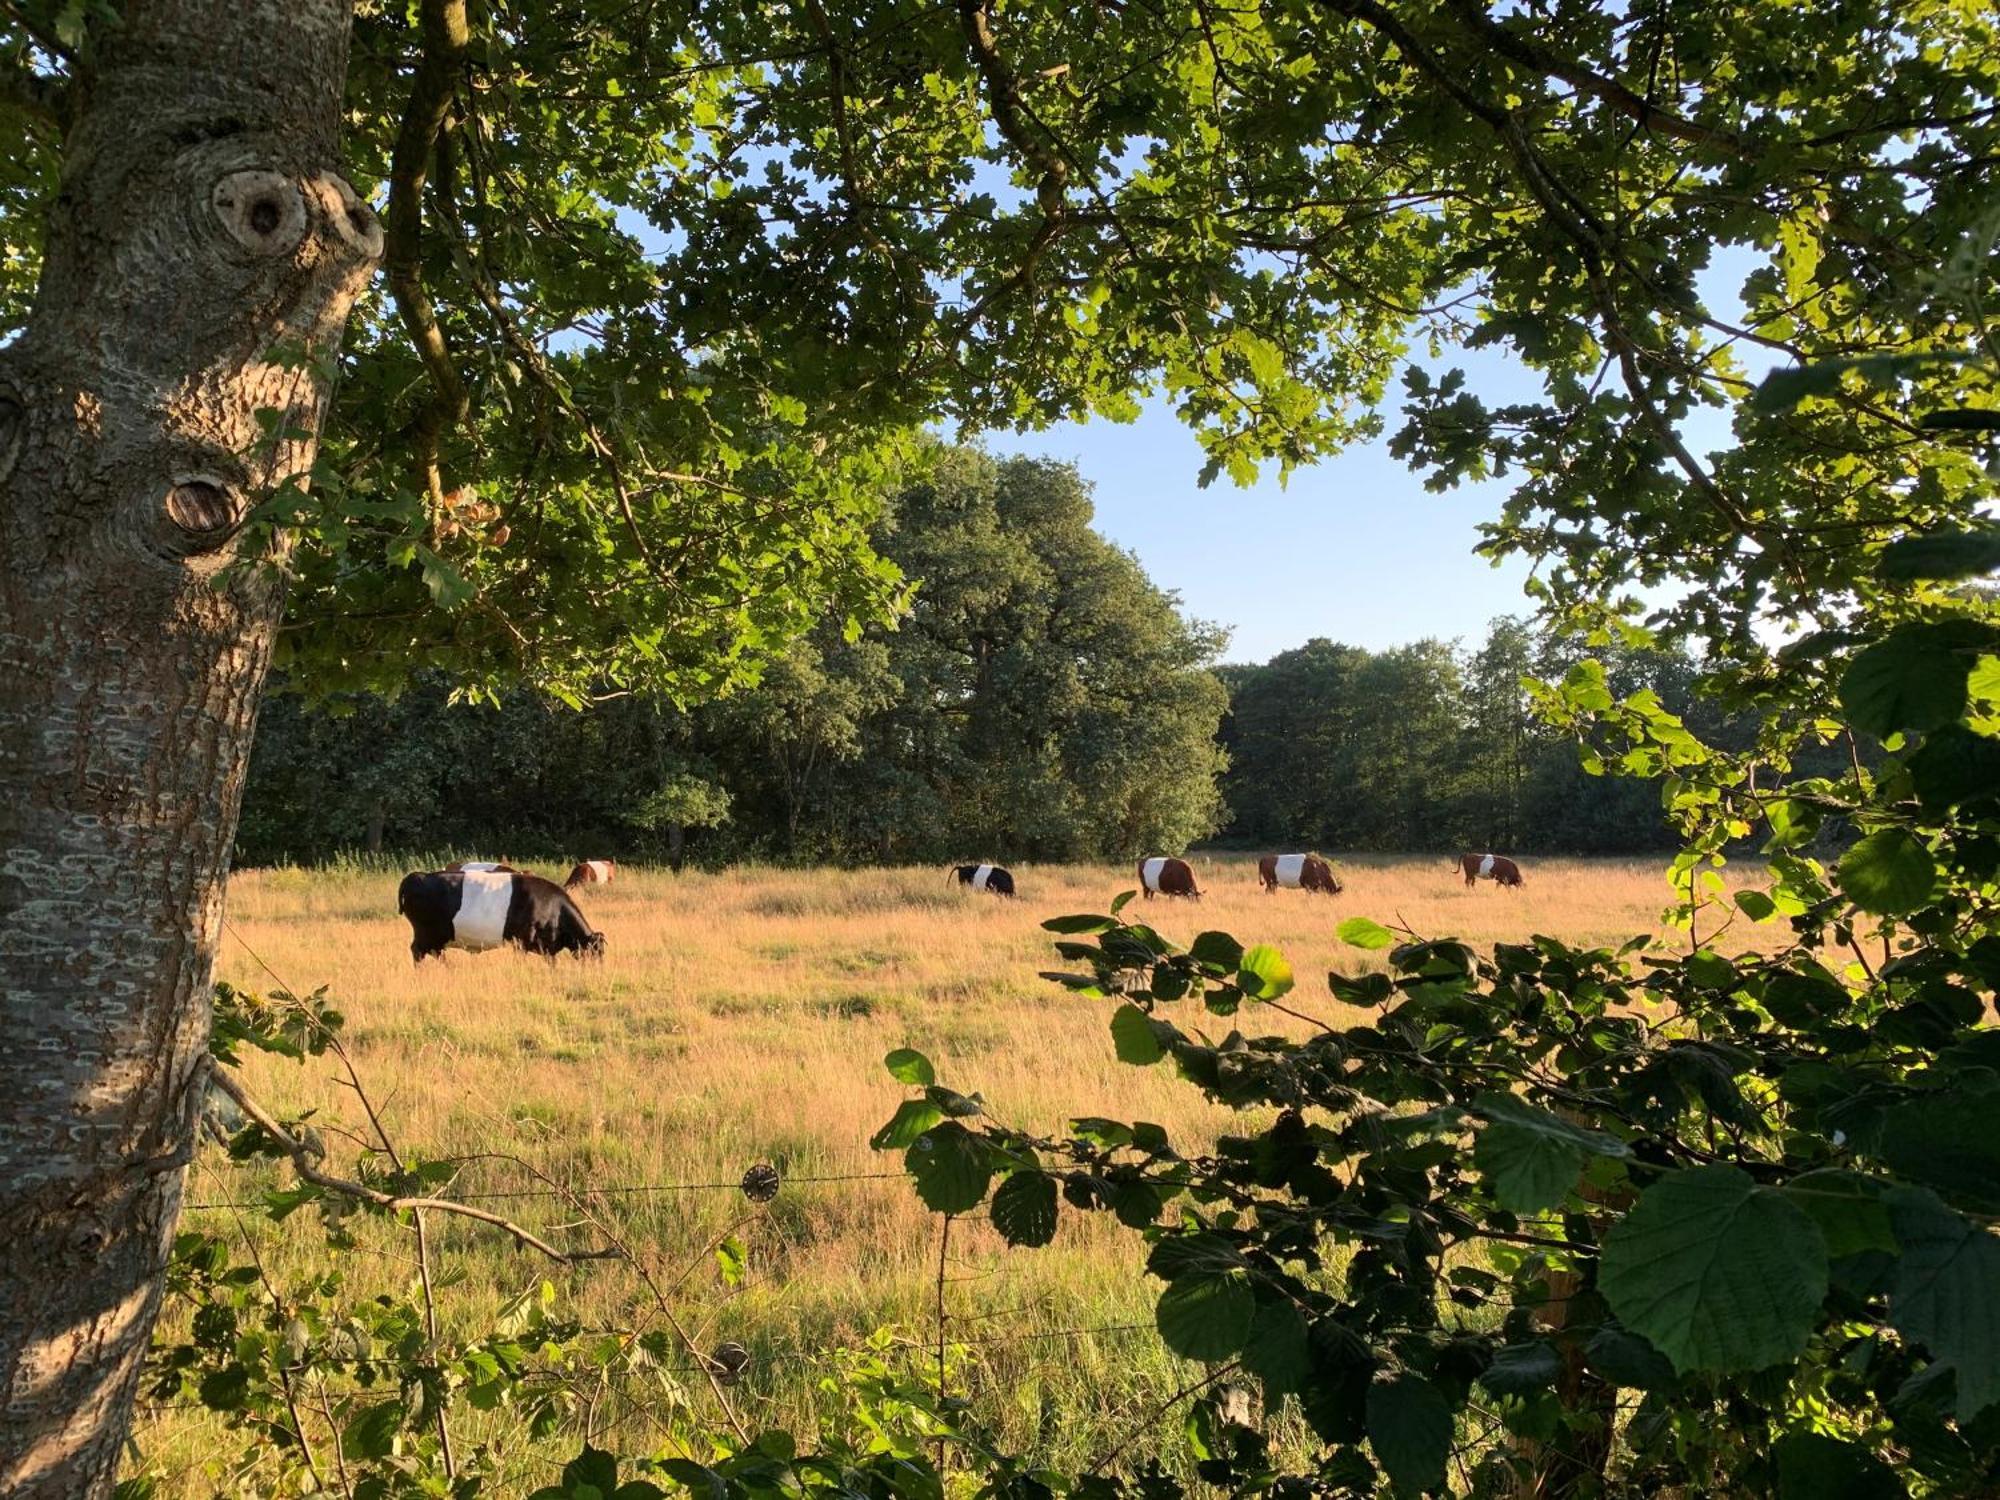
x=480 y=909
x=590 y=872
x=479 y=865
x=1163 y=875
x=1298 y=872
x=1497 y=868
x=995 y=878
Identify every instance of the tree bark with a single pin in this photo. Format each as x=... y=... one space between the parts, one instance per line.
x=201 y=259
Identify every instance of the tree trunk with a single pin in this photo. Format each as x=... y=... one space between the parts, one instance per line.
x=200 y=245
x=676 y=844
x=378 y=815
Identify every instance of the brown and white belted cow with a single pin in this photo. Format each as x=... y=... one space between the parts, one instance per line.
x=1497 y=868
x=590 y=872
x=1298 y=872
x=1163 y=875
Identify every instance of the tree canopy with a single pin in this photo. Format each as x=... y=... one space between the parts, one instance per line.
x=669 y=286
x=1042 y=700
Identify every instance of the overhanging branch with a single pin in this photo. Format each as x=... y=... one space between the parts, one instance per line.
x=445 y=37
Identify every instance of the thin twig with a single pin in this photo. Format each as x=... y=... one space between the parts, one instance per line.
x=1160 y=1410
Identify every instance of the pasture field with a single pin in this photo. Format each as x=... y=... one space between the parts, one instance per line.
x=742 y=1017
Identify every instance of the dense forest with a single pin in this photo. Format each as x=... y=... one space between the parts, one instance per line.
x=1042 y=699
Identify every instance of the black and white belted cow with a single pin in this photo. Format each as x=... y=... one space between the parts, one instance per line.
x=1497 y=868
x=480 y=909
x=1163 y=875
x=997 y=879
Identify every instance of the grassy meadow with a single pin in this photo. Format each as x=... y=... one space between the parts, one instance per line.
x=741 y=1017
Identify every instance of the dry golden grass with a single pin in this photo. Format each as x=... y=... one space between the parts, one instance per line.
x=742 y=1017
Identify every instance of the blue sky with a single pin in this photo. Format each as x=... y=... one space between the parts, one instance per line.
x=1354 y=549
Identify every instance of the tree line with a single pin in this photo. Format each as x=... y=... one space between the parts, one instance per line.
x=1042 y=699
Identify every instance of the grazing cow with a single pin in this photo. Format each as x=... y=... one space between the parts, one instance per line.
x=480 y=909
x=1298 y=872
x=1497 y=868
x=477 y=865
x=1163 y=875
x=590 y=872
x=995 y=878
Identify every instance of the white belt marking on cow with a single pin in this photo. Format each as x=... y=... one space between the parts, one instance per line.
x=1486 y=866
x=1290 y=868
x=1149 y=872
x=980 y=876
x=483 y=900
x=475 y=865
x=600 y=870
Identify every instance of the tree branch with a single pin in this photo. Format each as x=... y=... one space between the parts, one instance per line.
x=445 y=37
x=43 y=98
x=306 y=1161
x=1003 y=99
x=1531 y=54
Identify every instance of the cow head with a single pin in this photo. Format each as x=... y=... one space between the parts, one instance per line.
x=591 y=946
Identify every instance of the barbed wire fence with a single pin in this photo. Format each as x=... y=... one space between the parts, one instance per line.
x=731 y=1361
x=728 y=1365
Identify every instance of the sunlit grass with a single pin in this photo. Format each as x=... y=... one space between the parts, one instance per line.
x=742 y=1017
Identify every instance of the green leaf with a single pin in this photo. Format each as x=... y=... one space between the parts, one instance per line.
x=1359 y=932
x=1216 y=949
x=1889 y=873
x=1849 y=1209
x=1709 y=970
x=1207 y=1316
x=1956 y=767
x=702 y=1481
x=1755 y=905
x=1913 y=679
x=1951 y=1142
x=1531 y=1157
x=1276 y=1351
x=1792 y=822
x=912 y=1118
x=372 y=1433
x=1073 y=926
x=1409 y=1427
x=1946 y=1293
x=907 y=1065
x=951 y=1167
x=1367 y=989
x=1942 y=554
x=1622 y=1357
x=732 y=1260
x=1812 y=1466
x=1263 y=974
x=1024 y=1210
x=594 y=1467
x=1715 y=1272
x=1522 y=1369
x=224 y=1389
x=1132 y=1037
